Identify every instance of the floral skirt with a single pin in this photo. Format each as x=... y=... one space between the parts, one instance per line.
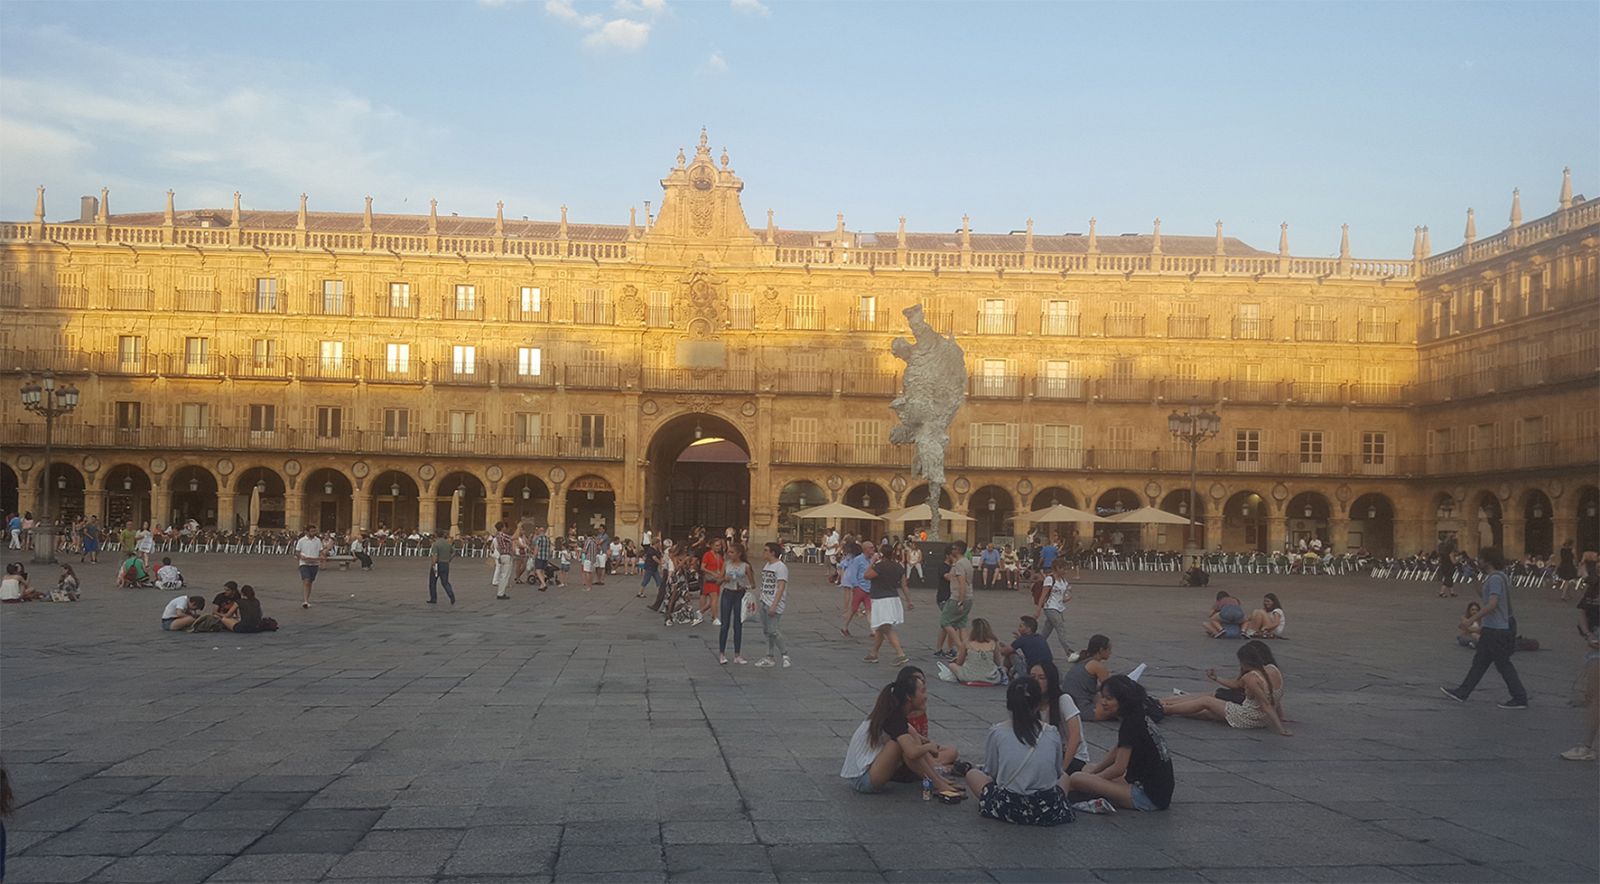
x=1046 y=807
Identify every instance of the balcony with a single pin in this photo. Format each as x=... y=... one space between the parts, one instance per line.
x=588 y=376
x=315 y=368
x=876 y=321
x=604 y=449
x=513 y=376
x=10 y=295
x=804 y=382
x=1188 y=326
x=463 y=308
x=658 y=316
x=530 y=446
x=400 y=371
x=803 y=319
x=1109 y=459
x=60 y=361
x=1125 y=390
x=128 y=299
x=834 y=453
x=990 y=323
x=1188 y=390
x=266 y=368
x=463 y=373
x=196 y=301
x=1124 y=326
x=253 y=301
x=1311 y=330
x=1379 y=394
x=328 y=304
x=998 y=457
x=1060 y=324
x=592 y=313
x=720 y=380
x=742 y=318
x=1061 y=389
x=1057 y=458
x=1315 y=393
x=1250 y=328
x=202 y=366
x=390 y=307
x=819 y=453
x=884 y=384
x=64 y=297
x=518 y=310
x=1378 y=332
x=994 y=387
x=123 y=364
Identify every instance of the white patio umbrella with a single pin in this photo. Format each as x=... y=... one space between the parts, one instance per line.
x=1147 y=515
x=255 y=508
x=835 y=511
x=1057 y=513
x=919 y=513
x=455 y=513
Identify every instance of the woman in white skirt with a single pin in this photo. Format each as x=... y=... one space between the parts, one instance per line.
x=890 y=602
x=145 y=543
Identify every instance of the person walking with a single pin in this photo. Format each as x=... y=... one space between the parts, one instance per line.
x=711 y=582
x=736 y=578
x=312 y=554
x=774 y=586
x=954 y=617
x=543 y=557
x=1053 y=605
x=1589 y=630
x=440 y=555
x=14 y=528
x=890 y=601
x=1447 y=566
x=501 y=547
x=650 y=567
x=1498 y=640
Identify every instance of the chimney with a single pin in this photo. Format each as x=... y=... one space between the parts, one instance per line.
x=88 y=209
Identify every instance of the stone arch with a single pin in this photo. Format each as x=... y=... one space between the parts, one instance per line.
x=698 y=474
x=127 y=488
x=795 y=496
x=993 y=511
x=1372 y=516
x=470 y=514
x=1177 y=502
x=871 y=497
x=1485 y=521
x=525 y=498
x=1245 y=522
x=260 y=500
x=194 y=495
x=1586 y=510
x=1310 y=515
x=591 y=505
x=1538 y=523
x=395 y=501
x=10 y=490
x=328 y=500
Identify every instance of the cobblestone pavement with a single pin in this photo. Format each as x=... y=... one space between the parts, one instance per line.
x=570 y=736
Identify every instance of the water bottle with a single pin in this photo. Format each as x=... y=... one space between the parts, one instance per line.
x=927 y=789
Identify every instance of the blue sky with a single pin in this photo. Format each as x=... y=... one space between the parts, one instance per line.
x=1384 y=116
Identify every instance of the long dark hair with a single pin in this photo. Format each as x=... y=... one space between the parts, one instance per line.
x=1097 y=643
x=1256 y=655
x=890 y=709
x=907 y=678
x=1022 y=698
x=1273 y=598
x=1052 y=689
x=1132 y=700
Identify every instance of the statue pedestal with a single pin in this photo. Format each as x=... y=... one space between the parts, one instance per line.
x=44 y=544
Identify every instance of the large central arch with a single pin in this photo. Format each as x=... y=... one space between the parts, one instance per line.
x=698 y=474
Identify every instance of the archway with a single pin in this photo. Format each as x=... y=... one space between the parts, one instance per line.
x=1116 y=535
x=1372 y=524
x=1487 y=526
x=1588 y=516
x=1447 y=520
x=127 y=496
x=869 y=496
x=395 y=505
x=1244 y=522
x=471 y=517
x=918 y=496
x=992 y=509
x=1538 y=525
x=66 y=486
x=1173 y=536
x=194 y=496
x=525 y=498
x=698 y=475
x=591 y=506
x=1064 y=533
x=794 y=497
x=1309 y=513
x=10 y=490
x=266 y=488
x=328 y=502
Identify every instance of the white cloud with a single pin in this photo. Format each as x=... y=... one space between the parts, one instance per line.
x=620 y=33
x=752 y=7
x=564 y=11
x=640 y=7
x=717 y=63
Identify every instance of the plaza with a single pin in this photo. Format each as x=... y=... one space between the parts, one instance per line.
x=570 y=736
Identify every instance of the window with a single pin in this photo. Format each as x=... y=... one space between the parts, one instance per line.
x=463 y=426
x=807 y=361
x=400 y=295
x=866 y=433
x=1060 y=379
x=532 y=299
x=1058 y=447
x=1586 y=426
x=992 y=376
x=1122 y=369
x=1251 y=328
x=592 y=309
x=1186 y=370
x=660 y=314
x=397 y=358
x=130 y=415
x=994 y=317
x=263 y=418
x=262 y=352
x=1060 y=318
x=196 y=416
x=1250 y=372
x=1310 y=448
x=130 y=351
x=396 y=423
x=867 y=308
x=331 y=353
x=1374 y=448
x=527 y=426
x=592 y=430
x=1375 y=375
x=741 y=312
x=530 y=362
x=464 y=359
x=466 y=298
x=993 y=444
x=803 y=430
x=266 y=295
x=1247 y=450
x=330 y=421
x=195 y=351
x=592 y=356
x=333 y=296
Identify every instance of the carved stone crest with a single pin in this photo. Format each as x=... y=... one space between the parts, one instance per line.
x=768 y=312
x=630 y=307
x=704 y=308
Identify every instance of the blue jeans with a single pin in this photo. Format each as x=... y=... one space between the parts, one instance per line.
x=440 y=573
x=649 y=575
x=732 y=614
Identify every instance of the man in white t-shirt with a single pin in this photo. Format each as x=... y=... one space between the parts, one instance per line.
x=168 y=576
x=312 y=553
x=1053 y=606
x=182 y=611
x=830 y=547
x=774 y=586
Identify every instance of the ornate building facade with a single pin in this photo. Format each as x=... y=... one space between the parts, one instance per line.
x=358 y=369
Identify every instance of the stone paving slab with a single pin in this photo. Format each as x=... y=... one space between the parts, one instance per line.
x=569 y=736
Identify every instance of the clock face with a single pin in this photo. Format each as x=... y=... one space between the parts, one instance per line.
x=702 y=183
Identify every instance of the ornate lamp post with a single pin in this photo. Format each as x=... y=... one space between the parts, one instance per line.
x=1193 y=426
x=43 y=397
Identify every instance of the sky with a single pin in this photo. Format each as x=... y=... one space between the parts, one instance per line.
x=1382 y=116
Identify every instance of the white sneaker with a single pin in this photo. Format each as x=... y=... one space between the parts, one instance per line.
x=1579 y=753
x=1178 y=692
x=765 y=663
x=785 y=661
x=717 y=622
x=698 y=620
x=1073 y=657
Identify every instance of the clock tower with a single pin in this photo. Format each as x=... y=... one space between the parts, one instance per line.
x=700 y=211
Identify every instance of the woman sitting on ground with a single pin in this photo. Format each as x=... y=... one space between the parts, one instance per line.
x=132 y=573
x=975 y=664
x=1061 y=713
x=915 y=683
x=1137 y=773
x=1262 y=683
x=67 y=583
x=14 y=588
x=1082 y=682
x=245 y=615
x=1227 y=616
x=1267 y=621
x=1024 y=784
x=884 y=745
x=1468 y=629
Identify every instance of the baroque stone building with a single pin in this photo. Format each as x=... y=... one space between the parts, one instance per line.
x=358 y=369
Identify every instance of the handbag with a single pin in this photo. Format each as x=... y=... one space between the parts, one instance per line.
x=1231 y=695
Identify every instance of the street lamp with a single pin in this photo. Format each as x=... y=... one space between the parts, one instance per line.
x=43 y=397
x=1193 y=427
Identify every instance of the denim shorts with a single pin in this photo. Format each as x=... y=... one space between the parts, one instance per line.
x=863 y=783
x=1141 y=801
x=308 y=572
x=166 y=625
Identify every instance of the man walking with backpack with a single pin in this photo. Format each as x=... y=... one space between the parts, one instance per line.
x=1499 y=638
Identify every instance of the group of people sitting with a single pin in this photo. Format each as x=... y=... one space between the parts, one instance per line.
x=1228 y=619
x=234 y=609
x=16 y=588
x=134 y=574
